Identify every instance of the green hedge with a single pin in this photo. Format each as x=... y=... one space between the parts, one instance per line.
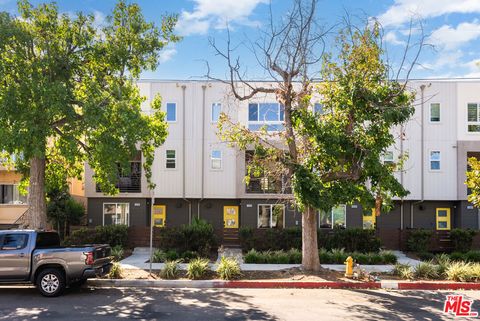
x=335 y=256
x=110 y=234
x=353 y=240
x=462 y=239
x=419 y=240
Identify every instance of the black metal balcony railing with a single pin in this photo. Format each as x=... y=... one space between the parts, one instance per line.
x=265 y=185
x=131 y=183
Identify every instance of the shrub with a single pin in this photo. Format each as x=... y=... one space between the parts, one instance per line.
x=228 y=269
x=419 y=240
x=324 y=256
x=158 y=256
x=246 y=237
x=472 y=256
x=459 y=271
x=425 y=256
x=339 y=255
x=351 y=239
x=117 y=253
x=388 y=257
x=404 y=271
x=375 y=258
x=457 y=256
x=199 y=237
x=295 y=256
x=361 y=258
x=197 y=268
x=171 y=255
x=462 y=239
x=110 y=234
x=187 y=256
x=170 y=270
x=253 y=256
x=278 y=257
x=116 y=271
x=81 y=236
x=443 y=261
x=425 y=270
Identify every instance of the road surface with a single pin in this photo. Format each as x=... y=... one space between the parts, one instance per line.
x=24 y=303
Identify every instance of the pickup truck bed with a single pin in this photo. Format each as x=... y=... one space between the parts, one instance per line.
x=37 y=257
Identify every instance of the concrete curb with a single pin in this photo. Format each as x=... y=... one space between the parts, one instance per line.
x=216 y=284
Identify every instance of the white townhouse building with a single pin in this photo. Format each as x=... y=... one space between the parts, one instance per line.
x=197 y=175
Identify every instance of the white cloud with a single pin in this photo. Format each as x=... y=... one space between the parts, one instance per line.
x=473 y=67
x=167 y=53
x=403 y=10
x=216 y=14
x=452 y=38
x=391 y=37
x=444 y=59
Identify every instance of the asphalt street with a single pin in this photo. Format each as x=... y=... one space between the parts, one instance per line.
x=24 y=303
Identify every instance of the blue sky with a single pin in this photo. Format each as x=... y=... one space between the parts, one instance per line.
x=452 y=28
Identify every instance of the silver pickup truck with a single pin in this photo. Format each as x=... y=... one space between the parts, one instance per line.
x=28 y=256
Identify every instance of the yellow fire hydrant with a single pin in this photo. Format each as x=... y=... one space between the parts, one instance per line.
x=349 y=267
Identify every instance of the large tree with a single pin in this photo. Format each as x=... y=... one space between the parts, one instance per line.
x=68 y=94
x=330 y=158
x=473 y=181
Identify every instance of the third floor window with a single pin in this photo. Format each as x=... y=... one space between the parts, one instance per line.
x=473 y=117
x=435 y=112
x=171 y=112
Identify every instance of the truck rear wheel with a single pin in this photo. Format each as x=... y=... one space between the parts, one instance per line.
x=51 y=282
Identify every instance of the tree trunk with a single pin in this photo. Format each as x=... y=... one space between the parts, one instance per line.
x=37 y=216
x=310 y=259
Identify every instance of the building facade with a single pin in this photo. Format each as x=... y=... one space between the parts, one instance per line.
x=199 y=176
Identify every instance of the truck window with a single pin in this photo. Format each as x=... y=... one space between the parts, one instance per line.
x=47 y=239
x=14 y=241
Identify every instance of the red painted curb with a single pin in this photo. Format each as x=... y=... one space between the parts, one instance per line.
x=437 y=286
x=295 y=284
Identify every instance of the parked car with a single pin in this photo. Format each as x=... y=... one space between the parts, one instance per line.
x=28 y=256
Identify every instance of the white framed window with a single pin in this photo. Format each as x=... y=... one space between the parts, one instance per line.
x=435 y=112
x=435 y=160
x=336 y=217
x=271 y=216
x=116 y=214
x=171 y=112
x=473 y=117
x=170 y=159
x=387 y=157
x=269 y=115
x=216 y=110
x=216 y=159
x=318 y=109
x=10 y=194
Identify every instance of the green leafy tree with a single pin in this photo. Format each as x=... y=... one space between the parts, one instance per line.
x=63 y=211
x=336 y=157
x=68 y=94
x=473 y=181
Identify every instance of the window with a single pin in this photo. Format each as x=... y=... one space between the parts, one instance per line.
x=473 y=117
x=171 y=112
x=435 y=112
x=129 y=179
x=435 y=160
x=216 y=110
x=318 y=109
x=388 y=157
x=171 y=159
x=336 y=217
x=10 y=194
x=271 y=216
x=116 y=213
x=14 y=241
x=216 y=159
x=269 y=115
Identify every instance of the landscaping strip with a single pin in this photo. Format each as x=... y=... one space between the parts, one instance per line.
x=216 y=284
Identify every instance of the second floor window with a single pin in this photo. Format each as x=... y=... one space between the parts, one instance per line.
x=216 y=159
x=473 y=118
x=269 y=115
x=216 y=110
x=171 y=159
x=435 y=112
x=171 y=112
x=388 y=157
x=336 y=217
x=435 y=160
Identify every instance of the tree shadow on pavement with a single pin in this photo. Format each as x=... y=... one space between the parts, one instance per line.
x=129 y=303
x=400 y=305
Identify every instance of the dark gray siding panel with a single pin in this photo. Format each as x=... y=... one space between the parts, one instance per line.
x=468 y=215
x=354 y=216
x=138 y=210
x=390 y=219
x=424 y=214
x=212 y=210
x=177 y=211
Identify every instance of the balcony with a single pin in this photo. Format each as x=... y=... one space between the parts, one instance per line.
x=129 y=182
x=267 y=185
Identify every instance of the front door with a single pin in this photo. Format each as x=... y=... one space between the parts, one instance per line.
x=443 y=219
x=159 y=215
x=230 y=216
x=369 y=219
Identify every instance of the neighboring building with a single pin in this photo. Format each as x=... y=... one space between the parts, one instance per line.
x=12 y=203
x=197 y=175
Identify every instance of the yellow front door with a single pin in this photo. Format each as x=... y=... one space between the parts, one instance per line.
x=159 y=215
x=230 y=216
x=443 y=219
x=369 y=219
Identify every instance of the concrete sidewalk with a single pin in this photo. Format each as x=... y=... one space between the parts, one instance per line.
x=140 y=257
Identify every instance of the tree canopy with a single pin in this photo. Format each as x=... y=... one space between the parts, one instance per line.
x=68 y=92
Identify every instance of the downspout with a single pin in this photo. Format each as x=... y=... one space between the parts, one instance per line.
x=202 y=159
x=422 y=154
x=184 y=115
